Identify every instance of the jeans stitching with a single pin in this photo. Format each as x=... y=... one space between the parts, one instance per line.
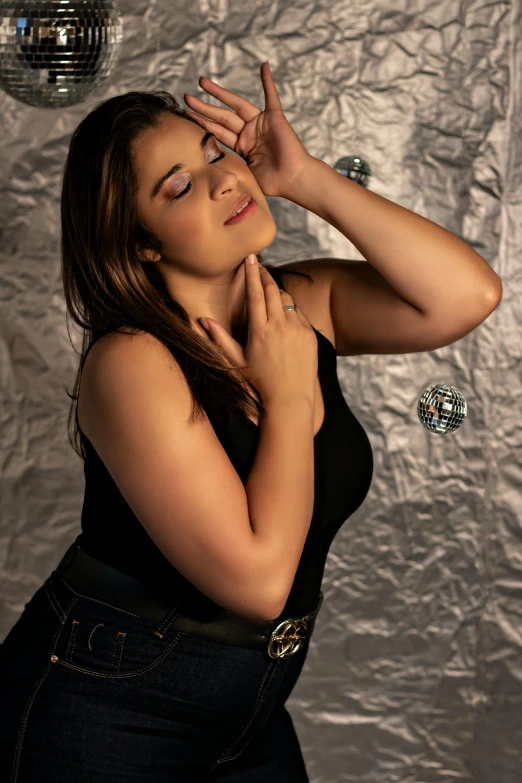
x=23 y=724
x=50 y=588
x=72 y=640
x=171 y=613
x=118 y=645
x=167 y=620
x=224 y=756
x=52 y=605
x=51 y=596
x=129 y=674
x=98 y=601
x=25 y=718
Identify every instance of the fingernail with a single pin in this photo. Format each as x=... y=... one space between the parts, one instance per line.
x=252 y=258
x=204 y=323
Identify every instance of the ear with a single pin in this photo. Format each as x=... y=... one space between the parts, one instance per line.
x=149 y=255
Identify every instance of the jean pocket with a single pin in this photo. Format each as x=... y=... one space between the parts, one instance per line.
x=261 y=710
x=97 y=646
x=99 y=638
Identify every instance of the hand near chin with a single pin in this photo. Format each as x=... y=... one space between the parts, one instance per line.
x=265 y=139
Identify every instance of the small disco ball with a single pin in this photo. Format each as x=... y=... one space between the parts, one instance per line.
x=442 y=409
x=355 y=168
x=55 y=52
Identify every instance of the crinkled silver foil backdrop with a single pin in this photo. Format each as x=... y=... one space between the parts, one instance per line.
x=414 y=674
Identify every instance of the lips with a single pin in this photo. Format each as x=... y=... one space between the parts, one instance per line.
x=244 y=199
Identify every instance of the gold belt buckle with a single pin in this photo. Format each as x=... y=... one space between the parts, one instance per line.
x=285 y=640
x=288 y=634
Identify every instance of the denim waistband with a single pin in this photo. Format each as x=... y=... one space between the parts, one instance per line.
x=280 y=638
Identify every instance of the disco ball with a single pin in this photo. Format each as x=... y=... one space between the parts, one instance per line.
x=55 y=52
x=355 y=168
x=442 y=409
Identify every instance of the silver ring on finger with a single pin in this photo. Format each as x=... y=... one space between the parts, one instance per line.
x=289 y=307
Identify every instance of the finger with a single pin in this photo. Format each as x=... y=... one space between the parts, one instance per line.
x=246 y=110
x=229 y=119
x=275 y=297
x=255 y=295
x=286 y=300
x=272 y=100
x=228 y=138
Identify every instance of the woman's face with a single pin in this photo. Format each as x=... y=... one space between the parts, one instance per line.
x=190 y=223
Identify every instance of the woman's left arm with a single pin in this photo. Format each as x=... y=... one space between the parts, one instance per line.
x=428 y=266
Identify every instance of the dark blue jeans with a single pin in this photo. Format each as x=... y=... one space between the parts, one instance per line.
x=90 y=692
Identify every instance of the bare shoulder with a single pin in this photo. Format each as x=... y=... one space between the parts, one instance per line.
x=119 y=357
x=313 y=298
x=127 y=343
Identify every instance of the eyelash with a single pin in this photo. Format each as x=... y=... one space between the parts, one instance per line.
x=175 y=198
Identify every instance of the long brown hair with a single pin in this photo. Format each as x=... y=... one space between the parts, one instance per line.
x=106 y=284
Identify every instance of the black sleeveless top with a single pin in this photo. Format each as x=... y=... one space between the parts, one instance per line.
x=343 y=468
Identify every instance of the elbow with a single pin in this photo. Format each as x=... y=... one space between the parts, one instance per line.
x=270 y=609
x=465 y=325
x=278 y=603
x=495 y=295
x=268 y=605
x=258 y=600
x=275 y=612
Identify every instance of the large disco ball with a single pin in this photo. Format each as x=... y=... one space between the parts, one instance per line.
x=442 y=409
x=55 y=52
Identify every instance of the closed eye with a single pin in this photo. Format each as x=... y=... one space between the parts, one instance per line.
x=179 y=195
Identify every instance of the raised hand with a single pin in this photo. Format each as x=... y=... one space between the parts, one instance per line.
x=265 y=139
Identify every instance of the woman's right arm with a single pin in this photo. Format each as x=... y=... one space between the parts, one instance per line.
x=280 y=492
x=179 y=482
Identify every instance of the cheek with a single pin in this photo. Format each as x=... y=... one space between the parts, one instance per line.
x=189 y=228
x=196 y=219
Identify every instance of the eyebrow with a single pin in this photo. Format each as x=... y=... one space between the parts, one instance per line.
x=178 y=166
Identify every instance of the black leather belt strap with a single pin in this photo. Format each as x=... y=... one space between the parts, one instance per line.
x=112 y=585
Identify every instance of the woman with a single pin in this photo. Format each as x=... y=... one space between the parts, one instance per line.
x=166 y=642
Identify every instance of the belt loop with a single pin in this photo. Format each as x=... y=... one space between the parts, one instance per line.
x=160 y=628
